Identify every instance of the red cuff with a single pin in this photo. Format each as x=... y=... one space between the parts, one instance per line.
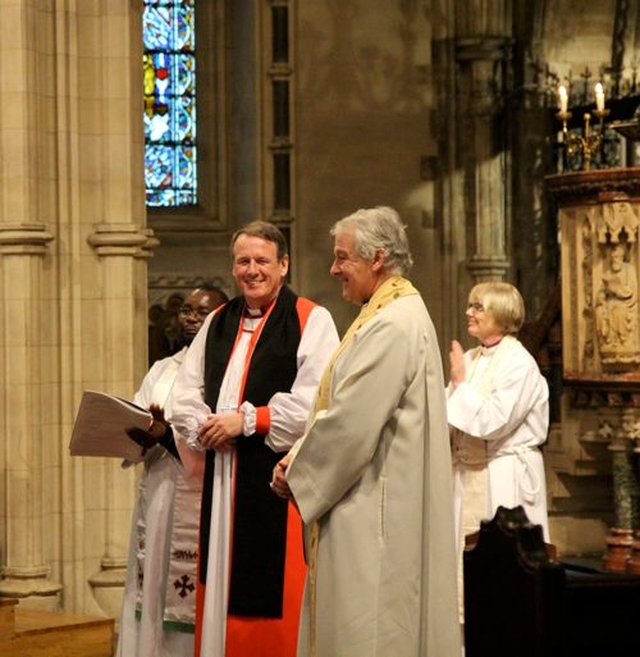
x=263 y=420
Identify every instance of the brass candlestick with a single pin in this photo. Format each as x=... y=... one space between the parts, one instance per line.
x=587 y=144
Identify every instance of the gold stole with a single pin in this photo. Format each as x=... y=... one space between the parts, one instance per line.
x=392 y=288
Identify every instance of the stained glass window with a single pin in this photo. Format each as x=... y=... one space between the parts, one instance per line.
x=169 y=70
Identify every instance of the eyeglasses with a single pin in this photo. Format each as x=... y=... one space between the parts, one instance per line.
x=197 y=313
x=476 y=307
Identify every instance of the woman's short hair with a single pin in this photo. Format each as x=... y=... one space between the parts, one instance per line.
x=266 y=231
x=503 y=301
x=378 y=228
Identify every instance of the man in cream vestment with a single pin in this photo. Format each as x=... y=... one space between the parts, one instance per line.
x=372 y=476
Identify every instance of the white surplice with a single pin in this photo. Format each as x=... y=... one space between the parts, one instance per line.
x=158 y=614
x=499 y=418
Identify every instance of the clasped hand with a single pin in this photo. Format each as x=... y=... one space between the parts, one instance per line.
x=279 y=483
x=219 y=432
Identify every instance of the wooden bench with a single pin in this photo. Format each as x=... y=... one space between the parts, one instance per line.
x=520 y=601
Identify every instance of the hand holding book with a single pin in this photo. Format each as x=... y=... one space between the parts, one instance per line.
x=159 y=431
x=102 y=425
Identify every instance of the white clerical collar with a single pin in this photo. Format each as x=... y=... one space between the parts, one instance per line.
x=255 y=313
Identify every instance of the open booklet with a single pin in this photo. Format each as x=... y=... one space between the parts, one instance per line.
x=101 y=427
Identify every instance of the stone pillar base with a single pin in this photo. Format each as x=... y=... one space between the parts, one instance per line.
x=618 y=550
x=34 y=591
x=108 y=586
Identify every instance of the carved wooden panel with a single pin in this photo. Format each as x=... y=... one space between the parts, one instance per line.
x=599 y=217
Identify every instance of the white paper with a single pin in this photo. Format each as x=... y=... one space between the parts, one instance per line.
x=101 y=427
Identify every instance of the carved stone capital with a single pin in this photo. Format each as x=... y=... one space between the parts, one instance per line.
x=27 y=239
x=150 y=245
x=489 y=269
x=483 y=73
x=119 y=240
x=483 y=48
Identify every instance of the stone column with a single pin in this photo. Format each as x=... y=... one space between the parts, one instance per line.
x=26 y=564
x=119 y=253
x=25 y=261
x=73 y=254
x=625 y=484
x=625 y=495
x=483 y=55
x=106 y=219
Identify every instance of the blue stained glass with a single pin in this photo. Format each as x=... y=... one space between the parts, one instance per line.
x=167 y=169
x=185 y=72
x=169 y=26
x=169 y=72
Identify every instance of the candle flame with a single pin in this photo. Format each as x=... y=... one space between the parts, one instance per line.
x=599 y=97
x=563 y=98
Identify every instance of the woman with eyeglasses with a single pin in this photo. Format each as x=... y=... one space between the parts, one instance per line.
x=498 y=412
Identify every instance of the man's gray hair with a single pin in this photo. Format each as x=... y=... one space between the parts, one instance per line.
x=378 y=228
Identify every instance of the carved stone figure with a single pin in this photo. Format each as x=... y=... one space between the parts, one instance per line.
x=617 y=307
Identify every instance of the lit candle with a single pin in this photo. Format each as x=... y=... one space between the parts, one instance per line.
x=599 y=97
x=564 y=100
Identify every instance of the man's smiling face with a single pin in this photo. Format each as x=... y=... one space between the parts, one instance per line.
x=257 y=271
